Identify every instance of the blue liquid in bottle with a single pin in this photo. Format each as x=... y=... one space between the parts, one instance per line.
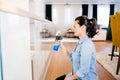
x=56 y=46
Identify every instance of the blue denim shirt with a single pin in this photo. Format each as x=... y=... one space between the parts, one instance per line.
x=83 y=59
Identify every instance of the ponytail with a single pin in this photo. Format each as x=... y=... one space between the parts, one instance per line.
x=91 y=27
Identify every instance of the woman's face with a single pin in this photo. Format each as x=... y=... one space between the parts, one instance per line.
x=77 y=29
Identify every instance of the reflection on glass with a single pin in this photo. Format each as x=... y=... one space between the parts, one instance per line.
x=39 y=31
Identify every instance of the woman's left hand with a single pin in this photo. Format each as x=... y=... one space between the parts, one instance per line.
x=68 y=78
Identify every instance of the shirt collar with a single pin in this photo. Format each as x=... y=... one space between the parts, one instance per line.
x=82 y=39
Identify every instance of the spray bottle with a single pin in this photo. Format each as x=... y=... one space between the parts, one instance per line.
x=58 y=38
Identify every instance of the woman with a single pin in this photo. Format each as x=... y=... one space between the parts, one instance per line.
x=83 y=57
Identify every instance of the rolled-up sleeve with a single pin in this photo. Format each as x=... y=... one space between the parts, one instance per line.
x=85 y=59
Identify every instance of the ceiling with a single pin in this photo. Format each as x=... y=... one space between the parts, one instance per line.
x=82 y=1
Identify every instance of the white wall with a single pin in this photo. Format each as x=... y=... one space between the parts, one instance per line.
x=19 y=3
x=117 y=7
x=63 y=15
x=37 y=7
x=15 y=43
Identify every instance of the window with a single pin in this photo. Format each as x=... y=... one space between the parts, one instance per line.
x=103 y=15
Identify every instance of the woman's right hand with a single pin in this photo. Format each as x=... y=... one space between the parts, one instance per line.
x=63 y=49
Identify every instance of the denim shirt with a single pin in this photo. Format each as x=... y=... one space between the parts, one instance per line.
x=83 y=59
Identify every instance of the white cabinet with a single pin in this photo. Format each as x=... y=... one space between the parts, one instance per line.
x=101 y=35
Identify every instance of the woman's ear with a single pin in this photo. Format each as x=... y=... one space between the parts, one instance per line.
x=83 y=28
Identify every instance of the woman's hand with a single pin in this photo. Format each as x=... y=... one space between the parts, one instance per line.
x=63 y=49
x=72 y=77
x=68 y=78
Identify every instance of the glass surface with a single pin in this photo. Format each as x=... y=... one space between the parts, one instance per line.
x=21 y=31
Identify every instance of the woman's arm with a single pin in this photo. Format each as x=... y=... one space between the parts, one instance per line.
x=85 y=58
x=63 y=49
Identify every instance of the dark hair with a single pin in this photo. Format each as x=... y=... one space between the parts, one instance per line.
x=89 y=23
